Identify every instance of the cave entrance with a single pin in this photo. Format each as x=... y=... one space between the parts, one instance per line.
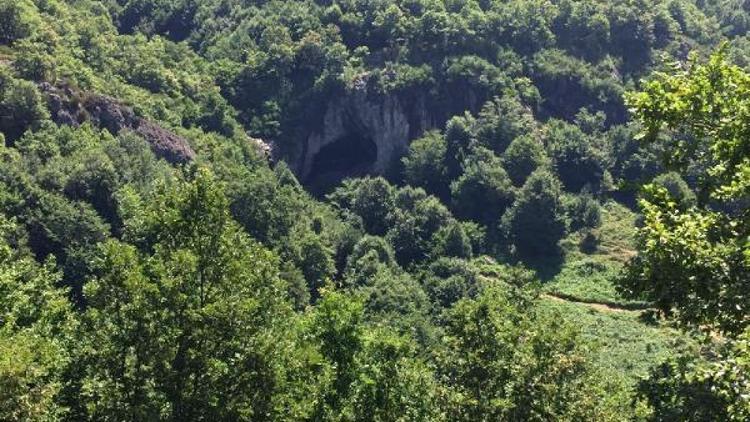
x=349 y=156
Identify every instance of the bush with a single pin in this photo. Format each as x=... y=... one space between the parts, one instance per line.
x=677 y=187
x=524 y=155
x=584 y=212
x=535 y=222
x=14 y=21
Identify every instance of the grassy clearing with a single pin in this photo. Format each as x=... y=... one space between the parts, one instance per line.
x=622 y=349
x=588 y=274
x=622 y=343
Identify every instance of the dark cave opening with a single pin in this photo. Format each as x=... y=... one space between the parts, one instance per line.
x=349 y=156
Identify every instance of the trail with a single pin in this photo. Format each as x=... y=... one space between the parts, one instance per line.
x=601 y=307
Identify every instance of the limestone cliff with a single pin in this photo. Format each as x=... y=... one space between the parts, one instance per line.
x=361 y=133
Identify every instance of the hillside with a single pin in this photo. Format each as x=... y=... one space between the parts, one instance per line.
x=395 y=210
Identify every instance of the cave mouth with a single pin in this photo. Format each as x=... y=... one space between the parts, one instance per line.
x=351 y=155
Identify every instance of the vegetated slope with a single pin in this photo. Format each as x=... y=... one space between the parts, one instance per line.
x=153 y=265
x=307 y=74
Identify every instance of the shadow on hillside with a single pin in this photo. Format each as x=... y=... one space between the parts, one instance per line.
x=547 y=266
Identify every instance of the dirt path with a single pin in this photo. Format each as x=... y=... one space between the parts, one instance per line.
x=601 y=307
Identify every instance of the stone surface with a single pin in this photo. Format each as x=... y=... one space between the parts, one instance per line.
x=72 y=108
x=383 y=119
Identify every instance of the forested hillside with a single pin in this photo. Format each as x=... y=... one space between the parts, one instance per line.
x=394 y=210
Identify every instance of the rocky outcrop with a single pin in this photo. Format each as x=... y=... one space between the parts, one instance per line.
x=71 y=107
x=387 y=121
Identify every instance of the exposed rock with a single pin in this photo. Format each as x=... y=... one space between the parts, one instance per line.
x=264 y=147
x=71 y=107
x=387 y=121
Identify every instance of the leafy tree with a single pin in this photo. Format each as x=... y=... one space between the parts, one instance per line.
x=677 y=187
x=425 y=164
x=501 y=121
x=367 y=244
x=393 y=384
x=536 y=222
x=187 y=327
x=452 y=241
x=415 y=223
x=584 y=212
x=459 y=134
x=448 y=280
x=709 y=387
x=499 y=369
x=484 y=190
x=695 y=260
x=21 y=106
x=36 y=326
x=337 y=326
x=576 y=159
x=15 y=21
x=370 y=198
x=524 y=155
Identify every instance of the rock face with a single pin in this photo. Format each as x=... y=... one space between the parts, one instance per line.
x=361 y=134
x=69 y=107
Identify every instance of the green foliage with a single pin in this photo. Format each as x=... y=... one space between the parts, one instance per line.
x=524 y=155
x=424 y=165
x=172 y=331
x=394 y=385
x=584 y=212
x=21 y=106
x=35 y=322
x=685 y=250
x=452 y=241
x=536 y=221
x=14 y=20
x=495 y=375
x=677 y=188
x=501 y=121
x=370 y=198
x=219 y=289
x=711 y=387
x=576 y=158
x=484 y=190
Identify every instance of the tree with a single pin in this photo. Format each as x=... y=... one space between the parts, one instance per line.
x=713 y=386
x=584 y=212
x=524 y=155
x=368 y=244
x=448 y=280
x=15 y=22
x=501 y=121
x=484 y=190
x=677 y=188
x=393 y=384
x=459 y=133
x=21 y=106
x=576 y=159
x=415 y=223
x=370 y=198
x=696 y=260
x=536 y=221
x=500 y=368
x=452 y=241
x=36 y=329
x=425 y=164
x=190 y=325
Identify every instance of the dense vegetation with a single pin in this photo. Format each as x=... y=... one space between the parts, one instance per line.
x=568 y=239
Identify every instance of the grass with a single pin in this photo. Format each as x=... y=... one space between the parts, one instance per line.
x=589 y=274
x=621 y=341
x=624 y=345
x=621 y=348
